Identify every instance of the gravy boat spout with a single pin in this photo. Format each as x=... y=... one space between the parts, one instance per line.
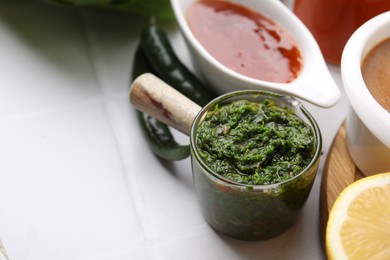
x=314 y=82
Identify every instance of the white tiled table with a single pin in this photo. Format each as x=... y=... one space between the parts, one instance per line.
x=77 y=180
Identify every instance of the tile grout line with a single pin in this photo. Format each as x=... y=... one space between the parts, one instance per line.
x=98 y=70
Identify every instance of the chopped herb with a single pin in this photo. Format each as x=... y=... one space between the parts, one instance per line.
x=255 y=143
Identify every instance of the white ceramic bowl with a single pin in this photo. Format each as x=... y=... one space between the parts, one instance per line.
x=314 y=84
x=368 y=123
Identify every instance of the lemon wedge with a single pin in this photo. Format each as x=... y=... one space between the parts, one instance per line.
x=359 y=222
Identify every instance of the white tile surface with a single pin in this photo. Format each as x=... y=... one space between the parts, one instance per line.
x=77 y=180
x=44 y=59
x=63 y=189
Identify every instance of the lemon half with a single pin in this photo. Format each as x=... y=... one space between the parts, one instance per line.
x=359 y=222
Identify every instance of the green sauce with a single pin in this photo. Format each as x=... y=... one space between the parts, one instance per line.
x=255 y=143
x=247 y=144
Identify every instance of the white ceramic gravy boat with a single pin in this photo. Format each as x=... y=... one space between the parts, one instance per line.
x=314 y=84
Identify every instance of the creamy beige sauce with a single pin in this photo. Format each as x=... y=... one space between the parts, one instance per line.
x=376 y=73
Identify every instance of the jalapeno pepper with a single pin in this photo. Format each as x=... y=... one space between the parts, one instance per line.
x=158 y=135
x=167 y=65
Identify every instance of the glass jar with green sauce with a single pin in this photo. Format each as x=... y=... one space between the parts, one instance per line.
x=254 y=159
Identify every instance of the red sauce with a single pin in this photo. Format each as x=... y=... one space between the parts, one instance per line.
x=332 y=22
x=245 y=41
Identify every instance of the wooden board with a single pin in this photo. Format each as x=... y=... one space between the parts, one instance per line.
x=339 y=172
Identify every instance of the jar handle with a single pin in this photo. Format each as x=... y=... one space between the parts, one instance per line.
x=153 y=96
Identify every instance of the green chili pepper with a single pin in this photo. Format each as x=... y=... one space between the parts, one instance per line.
x=158 y=135
x=166 y=64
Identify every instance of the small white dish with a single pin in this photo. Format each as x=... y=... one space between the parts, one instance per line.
x=368 y=123
x=314 y=83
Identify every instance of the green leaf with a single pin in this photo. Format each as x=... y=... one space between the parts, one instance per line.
x=158 y=8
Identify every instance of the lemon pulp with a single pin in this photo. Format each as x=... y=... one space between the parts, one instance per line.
x=359 y=222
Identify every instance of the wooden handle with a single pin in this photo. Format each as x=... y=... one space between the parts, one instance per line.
x=156 y=98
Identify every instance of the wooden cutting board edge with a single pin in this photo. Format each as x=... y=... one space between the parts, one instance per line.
x=339 y=172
